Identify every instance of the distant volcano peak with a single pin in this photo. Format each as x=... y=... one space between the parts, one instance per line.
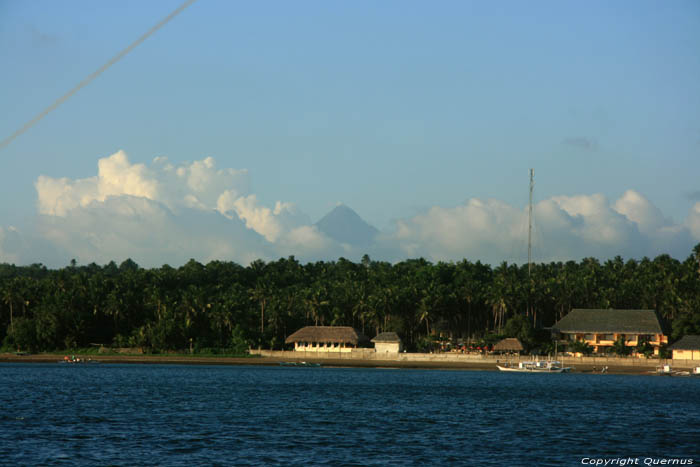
x=344 y=225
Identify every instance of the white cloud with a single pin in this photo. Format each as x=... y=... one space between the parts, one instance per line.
x=566 y=227
x=693 y=221
x=308 y=244
x=149 y=233
x=597 y=222
x=200 y=183
x=270 y=223
x=165 y=213
x=195 y=185
x=116 y=177
x=639 y=210
x=448 y=233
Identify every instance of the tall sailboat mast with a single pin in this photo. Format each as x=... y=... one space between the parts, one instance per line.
x=529 y=225
x=530 y=308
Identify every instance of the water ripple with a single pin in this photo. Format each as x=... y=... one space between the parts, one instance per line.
x=199 y=415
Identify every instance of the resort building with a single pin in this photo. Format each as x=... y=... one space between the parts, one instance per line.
x=602 y=328
x=688 y=348
x=327 y=339
x=509 y=345
x=387 y=342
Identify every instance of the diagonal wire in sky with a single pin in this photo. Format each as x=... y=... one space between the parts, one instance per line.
x=95 y=74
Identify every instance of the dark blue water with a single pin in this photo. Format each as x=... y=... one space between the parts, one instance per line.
x=204 y=415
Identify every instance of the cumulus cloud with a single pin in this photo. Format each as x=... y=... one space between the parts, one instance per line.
x=447 y=233
x=567 y=227
x=148 y=232
x=270 y=223
x=164 y=213
x=168 y=213
x=195 y=185
x=639 y=210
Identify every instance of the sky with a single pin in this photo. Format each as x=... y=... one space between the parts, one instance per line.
x=238 y=125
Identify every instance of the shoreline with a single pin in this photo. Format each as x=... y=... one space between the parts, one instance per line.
x=325 y=362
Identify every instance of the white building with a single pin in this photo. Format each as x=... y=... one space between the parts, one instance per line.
x=387 y=342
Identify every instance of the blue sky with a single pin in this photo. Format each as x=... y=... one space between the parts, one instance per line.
x=405 y=111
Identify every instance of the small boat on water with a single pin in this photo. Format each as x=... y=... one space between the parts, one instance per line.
x=537 y=366
x=301 y=364
x=664 y=370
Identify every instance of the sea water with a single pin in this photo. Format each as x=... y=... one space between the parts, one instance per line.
x=255 y=415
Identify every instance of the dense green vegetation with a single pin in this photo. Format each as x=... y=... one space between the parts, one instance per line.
x=224 y=307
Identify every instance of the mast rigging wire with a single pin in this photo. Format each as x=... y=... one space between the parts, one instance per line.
x=95 y=74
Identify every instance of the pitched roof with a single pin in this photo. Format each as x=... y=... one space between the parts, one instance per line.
x=610 y=321
x=340 y=334
x=509 y=344
x=387 y=337
x=687 y=343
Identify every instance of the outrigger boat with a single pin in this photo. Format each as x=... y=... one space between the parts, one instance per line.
x=666 y=370
x=539 y=366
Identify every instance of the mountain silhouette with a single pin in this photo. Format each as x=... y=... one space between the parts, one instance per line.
x=346 y=226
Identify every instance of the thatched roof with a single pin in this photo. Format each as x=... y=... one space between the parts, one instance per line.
x=387 y=337
x=609 y=321
x=509 y=344
x=687 y=343
x=333 y=334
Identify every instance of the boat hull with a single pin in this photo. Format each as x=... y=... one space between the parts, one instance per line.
x=528 y=369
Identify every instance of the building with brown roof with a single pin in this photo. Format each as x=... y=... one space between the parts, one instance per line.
x=688 y=348
x=602 y=328
x=509 y=344
x=327 y=339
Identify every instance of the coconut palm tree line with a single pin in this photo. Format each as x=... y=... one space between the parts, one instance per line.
x=223 y=307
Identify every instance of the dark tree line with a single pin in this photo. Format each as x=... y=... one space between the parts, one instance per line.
x=222 y=306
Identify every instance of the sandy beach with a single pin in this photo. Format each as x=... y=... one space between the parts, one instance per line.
x=487 y=365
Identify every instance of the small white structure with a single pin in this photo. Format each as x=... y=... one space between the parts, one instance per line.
x=688 y=348
x=387 y=342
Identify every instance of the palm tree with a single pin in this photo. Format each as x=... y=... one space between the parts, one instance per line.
x=260 y=294
x=9 y=297
x=316 y=301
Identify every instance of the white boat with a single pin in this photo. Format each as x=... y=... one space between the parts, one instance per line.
x=664 y=370
x=537 y=366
